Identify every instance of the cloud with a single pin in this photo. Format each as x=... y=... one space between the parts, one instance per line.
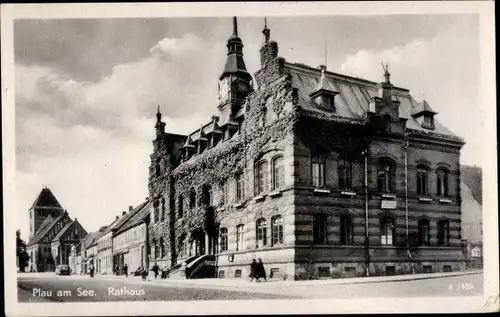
x=90 y=141
x=443 y=70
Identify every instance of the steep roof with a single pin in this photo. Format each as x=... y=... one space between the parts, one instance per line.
x=141 y=212
x=472 y=177
x=63 y=230
x=352 y=102
x=124 y=219
x=46 y=199
x=90 y=238
x=43 y=230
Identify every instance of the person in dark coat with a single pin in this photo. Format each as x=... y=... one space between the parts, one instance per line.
x=261 y=271
x=125 y=270
x=155 y=269
x=91 y=270
x=253 y=271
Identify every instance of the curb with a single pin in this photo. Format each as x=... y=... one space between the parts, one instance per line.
x=362 y=280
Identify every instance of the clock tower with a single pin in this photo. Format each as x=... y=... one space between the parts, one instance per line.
x=235 y=83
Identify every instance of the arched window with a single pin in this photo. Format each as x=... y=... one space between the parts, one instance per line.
x=206 y=196
x=162 y=209
x=444 y=232
x=387 y=122
x=278 y=172
x=261 y=172
x=240 y=230
x=319 y=228
x=180 y=208
x=385 y=179
x=192 y=199
x=162 y=248
x=422 y=172
x=442 y=182
x=156 y=211
x=277 y=230
x=424 y=232
x=157 y=169
x=346 y=229
x=223 y=239
x=261 y=232
x=155 y=249
x=345 y=174
x=388 y=231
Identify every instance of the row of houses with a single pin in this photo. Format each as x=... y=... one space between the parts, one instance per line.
x=124 y=241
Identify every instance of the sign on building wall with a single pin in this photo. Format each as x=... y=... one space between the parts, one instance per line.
x=475 y=252
x=388 y=204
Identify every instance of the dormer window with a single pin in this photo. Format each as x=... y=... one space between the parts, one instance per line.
x=424 y=115
x=428 y=122
x=322 y=95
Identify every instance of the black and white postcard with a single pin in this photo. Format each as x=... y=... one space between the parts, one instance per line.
x=249 y=158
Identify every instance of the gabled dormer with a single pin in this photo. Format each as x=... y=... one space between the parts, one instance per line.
x=383 y=109
x=424 y=115
x=188 y=149
x=322 y=95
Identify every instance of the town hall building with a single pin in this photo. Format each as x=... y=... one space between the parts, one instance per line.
x=317 y=173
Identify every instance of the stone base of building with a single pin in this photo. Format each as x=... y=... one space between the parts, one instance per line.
x=312 y=271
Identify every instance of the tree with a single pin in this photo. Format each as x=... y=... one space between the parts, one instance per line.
x=22 y=255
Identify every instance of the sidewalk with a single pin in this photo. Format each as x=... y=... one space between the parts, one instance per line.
x=239 y=282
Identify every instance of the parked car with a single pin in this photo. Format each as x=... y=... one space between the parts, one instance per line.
x=63 y=269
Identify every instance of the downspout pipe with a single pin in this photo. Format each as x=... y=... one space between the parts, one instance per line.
x=367 y=238
x=406 y=144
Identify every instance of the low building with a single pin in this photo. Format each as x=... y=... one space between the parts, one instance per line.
x=472 y=219
x=130 y=240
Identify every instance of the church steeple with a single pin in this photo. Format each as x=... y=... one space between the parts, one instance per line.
x=235 y=65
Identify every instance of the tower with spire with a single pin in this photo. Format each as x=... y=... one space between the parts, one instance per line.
x=235 y=82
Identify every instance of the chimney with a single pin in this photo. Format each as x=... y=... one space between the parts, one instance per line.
x=130 y=208
x=322 y=67
x=124 y=213
x=147 y=198
x=117 y=217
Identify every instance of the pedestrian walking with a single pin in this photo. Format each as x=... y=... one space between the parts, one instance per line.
x=91 y=270
x=125 y=270
x=155 y=269
x=261 y=271
x=253 y=271
x=144 y=273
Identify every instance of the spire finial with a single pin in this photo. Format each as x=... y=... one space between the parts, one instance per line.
x=387 y=75
x=326 y=54
x=266 y=31
x=235 y=26
x=158 y=114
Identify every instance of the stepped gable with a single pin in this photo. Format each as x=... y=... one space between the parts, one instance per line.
x=472 y=177
x=352 y=102
x=46 y=199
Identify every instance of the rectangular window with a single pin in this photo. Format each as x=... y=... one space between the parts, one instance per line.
x=239 y=186
x=237 y=273
x=261 y=178
x=277 y=230
x=318 y=172
x=387 y=236
x=223 y=240
x=345 y=174
x=319 y=229
x=239 y=237
x=444 y=232
x=346 y=230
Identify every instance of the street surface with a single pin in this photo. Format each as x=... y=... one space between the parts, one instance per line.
x=35 y=287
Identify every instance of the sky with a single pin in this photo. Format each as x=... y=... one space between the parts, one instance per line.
x=87 y=89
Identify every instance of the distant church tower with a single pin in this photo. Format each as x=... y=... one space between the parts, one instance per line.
x=45 y=204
